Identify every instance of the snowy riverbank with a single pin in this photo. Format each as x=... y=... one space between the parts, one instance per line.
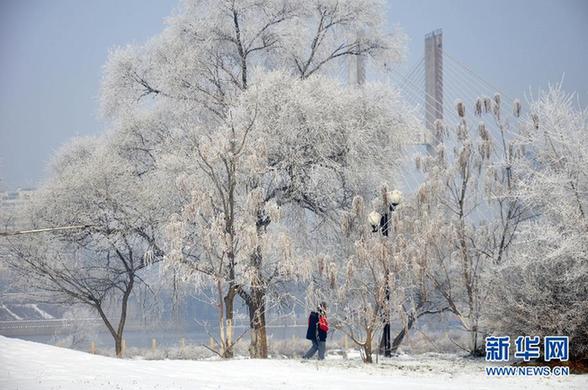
x=28 y=365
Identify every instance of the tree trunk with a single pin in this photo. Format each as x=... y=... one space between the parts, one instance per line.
x=400 y=336
x=258 y=347
x=367 y=347
x=256 y=302
x=118 y=346
x=123 y=316
x=117 y=334
x=227 y=348
x=477 y=350
x=411 y=320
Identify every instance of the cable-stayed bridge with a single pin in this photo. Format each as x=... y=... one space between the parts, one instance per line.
x=433 y=86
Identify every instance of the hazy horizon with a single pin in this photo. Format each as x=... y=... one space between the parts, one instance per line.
x=51 y=57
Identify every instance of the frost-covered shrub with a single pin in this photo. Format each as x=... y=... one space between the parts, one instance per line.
x=542 y=289
x=81 y=328
x=188 y=352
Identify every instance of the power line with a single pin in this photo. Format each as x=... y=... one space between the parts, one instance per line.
x=42 y=230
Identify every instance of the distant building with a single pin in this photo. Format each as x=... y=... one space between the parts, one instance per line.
x=10 y=203
x=15 y=306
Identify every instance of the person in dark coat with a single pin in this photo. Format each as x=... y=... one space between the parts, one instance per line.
x=318 y=326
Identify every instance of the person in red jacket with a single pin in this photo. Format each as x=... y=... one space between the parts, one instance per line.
x=318 y=326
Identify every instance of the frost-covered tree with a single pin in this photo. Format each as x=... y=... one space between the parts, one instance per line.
x=206 y=54
x=383 y=277
x=361 y=289
x=324 y=31
x=469 y=201
x=100 y=265
x=197 y=74
x=287 y=146
x=542 y=287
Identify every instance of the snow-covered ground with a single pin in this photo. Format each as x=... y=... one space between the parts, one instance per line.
x=26 y=365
